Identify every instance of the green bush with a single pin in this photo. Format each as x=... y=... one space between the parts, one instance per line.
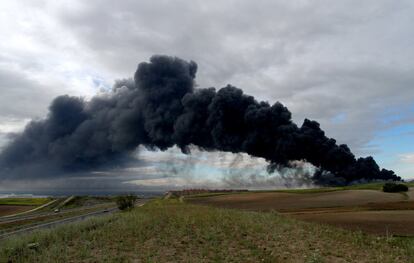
x=394 y=188
x=126 y=201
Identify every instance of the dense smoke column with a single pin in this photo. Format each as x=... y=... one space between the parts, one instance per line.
x=161 y=108
x=163 y=83
x=228 y=120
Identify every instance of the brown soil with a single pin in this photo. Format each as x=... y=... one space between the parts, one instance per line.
x=367 y=210
x=13 y=209
x=288 y=202
x=410 y=193
x=393 y=222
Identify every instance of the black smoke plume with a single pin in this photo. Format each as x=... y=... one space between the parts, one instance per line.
x=161 y=108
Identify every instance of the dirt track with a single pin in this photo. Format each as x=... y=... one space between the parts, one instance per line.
x=12 y=209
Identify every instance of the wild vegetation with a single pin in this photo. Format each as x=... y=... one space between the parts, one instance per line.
x=125 y=202
x=394 y=188
x=174 y=231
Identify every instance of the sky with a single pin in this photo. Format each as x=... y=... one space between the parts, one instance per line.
x=346 y=64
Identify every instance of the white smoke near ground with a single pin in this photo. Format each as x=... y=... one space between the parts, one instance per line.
x=221 y=170
x=246 y=174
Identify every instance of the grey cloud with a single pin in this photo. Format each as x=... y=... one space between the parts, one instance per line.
x=364 y=95
x=322 y=59
x=21 y=96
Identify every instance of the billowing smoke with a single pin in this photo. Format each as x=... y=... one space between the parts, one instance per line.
x=161 y=108
x=298 y=175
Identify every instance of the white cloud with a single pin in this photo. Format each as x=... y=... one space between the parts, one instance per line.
x=407 y=158
x=172 y=182
x=12 y=125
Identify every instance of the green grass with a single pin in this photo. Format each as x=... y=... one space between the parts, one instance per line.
x=409 y=184
x=310 y=190
x=24 y=201
x=173 y=231
x=217 y=194
x=367 y=186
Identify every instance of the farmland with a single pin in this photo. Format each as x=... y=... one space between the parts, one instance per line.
x=13 y=209
x=371 y=211
x=24 y=201
x=9 y=206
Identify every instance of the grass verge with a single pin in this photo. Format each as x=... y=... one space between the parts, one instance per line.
x=173 y=231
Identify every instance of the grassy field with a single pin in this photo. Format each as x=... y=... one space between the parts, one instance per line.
x=24 y=201
x=172 y=231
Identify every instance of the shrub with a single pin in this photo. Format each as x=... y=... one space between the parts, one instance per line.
x=394 y=188
x=126 y=201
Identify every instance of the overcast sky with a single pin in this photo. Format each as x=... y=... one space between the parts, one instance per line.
x=347 y=64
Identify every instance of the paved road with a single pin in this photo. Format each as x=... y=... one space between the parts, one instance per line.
x=12 y=219
x=65 y=220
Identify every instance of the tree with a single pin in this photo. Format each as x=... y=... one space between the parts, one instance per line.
x=394 y=188
x=126 y=201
